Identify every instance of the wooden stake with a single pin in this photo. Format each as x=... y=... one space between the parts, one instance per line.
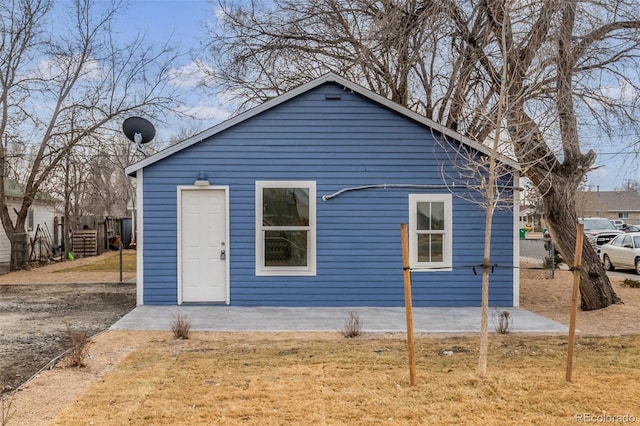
x=408 y=303
x=574 y=299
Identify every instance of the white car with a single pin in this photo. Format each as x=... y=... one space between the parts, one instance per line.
x=622 y=252
x=618 y=223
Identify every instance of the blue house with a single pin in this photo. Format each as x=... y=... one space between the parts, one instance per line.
x=299 y=202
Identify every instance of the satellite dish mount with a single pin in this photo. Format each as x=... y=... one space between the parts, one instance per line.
x=139 y=131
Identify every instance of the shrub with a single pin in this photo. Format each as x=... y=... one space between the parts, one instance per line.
x=181 y=326
x=502 y=321
x=352 y=325
x=557 y=260
x=77 y=347
x=628 y=282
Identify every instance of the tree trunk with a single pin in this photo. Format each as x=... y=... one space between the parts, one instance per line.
x=595 y=288
x=16 y=234
x=558 y=184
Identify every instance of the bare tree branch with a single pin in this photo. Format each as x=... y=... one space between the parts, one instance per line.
x=57 y=91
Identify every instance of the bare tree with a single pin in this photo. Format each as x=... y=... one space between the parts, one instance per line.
x=56 y=91
x=90 y=180
x=566 y=49
x=108 y=189
x=261 y=51
x=444 y=59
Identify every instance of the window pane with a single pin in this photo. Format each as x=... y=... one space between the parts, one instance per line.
x=437 y=248
x=437 y=216
x=430 y=248
x=424 y=211
x=285 y=207
x=285 y=248
x=430 y=216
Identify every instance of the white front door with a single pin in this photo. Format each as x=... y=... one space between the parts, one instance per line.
x=203 y=234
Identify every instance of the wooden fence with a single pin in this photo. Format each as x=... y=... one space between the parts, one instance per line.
x=85 y=243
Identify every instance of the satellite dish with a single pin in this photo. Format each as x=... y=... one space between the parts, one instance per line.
x=139 y=131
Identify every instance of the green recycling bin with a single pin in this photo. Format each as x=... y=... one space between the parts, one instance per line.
x=523 y=232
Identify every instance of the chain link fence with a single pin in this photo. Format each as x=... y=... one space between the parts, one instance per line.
x=538 y=252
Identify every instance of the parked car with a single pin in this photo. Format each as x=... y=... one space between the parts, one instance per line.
x=618 y=223
x=599 y=231
x=622 y=252
x=632 y=228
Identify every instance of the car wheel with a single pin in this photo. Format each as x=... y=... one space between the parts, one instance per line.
x=609 y=266
x=638 y=266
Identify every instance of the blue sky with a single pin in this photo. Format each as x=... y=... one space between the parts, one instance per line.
x=615 y=170
x=184 y=21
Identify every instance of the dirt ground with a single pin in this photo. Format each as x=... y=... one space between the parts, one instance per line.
x=551 y=298
x=39 y=307
x=40 y=400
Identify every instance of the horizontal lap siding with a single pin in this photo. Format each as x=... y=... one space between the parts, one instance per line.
x=160 y=236
x=338 y=144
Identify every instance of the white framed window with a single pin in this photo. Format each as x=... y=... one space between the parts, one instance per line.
x=623 y=215
x=285 y=228
x=430 y=232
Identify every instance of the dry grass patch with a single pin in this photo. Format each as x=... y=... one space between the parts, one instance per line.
x=77 y=348
x=107 y=264
x=231 y=378
x=180 y=326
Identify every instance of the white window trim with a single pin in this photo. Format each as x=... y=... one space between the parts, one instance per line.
x=310 y=269
x=447 y=263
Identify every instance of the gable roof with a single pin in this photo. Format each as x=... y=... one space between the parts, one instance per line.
x=327 y=78
x=609 y=201
x=14 y=189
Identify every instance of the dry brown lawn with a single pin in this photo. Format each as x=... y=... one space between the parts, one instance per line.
x=95 y=269
x=232 y=379
x=149 y=378
x=110 y=263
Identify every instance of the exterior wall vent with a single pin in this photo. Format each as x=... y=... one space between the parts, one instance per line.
x=333 y=96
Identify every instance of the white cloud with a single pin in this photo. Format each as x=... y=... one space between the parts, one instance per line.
x=191 y=75
x=623 y=91
x=57 y=67
x=219 y=14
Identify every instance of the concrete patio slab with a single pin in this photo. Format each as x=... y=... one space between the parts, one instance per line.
x=374 y=319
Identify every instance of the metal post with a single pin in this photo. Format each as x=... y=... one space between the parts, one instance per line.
x=552 y=253
x=121 y=244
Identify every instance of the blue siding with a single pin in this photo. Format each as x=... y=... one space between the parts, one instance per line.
x=337 y=144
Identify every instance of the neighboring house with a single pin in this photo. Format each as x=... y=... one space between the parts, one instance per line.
x=624 y=205
x=531 y=217
x=299 y=202
x=41 y=215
